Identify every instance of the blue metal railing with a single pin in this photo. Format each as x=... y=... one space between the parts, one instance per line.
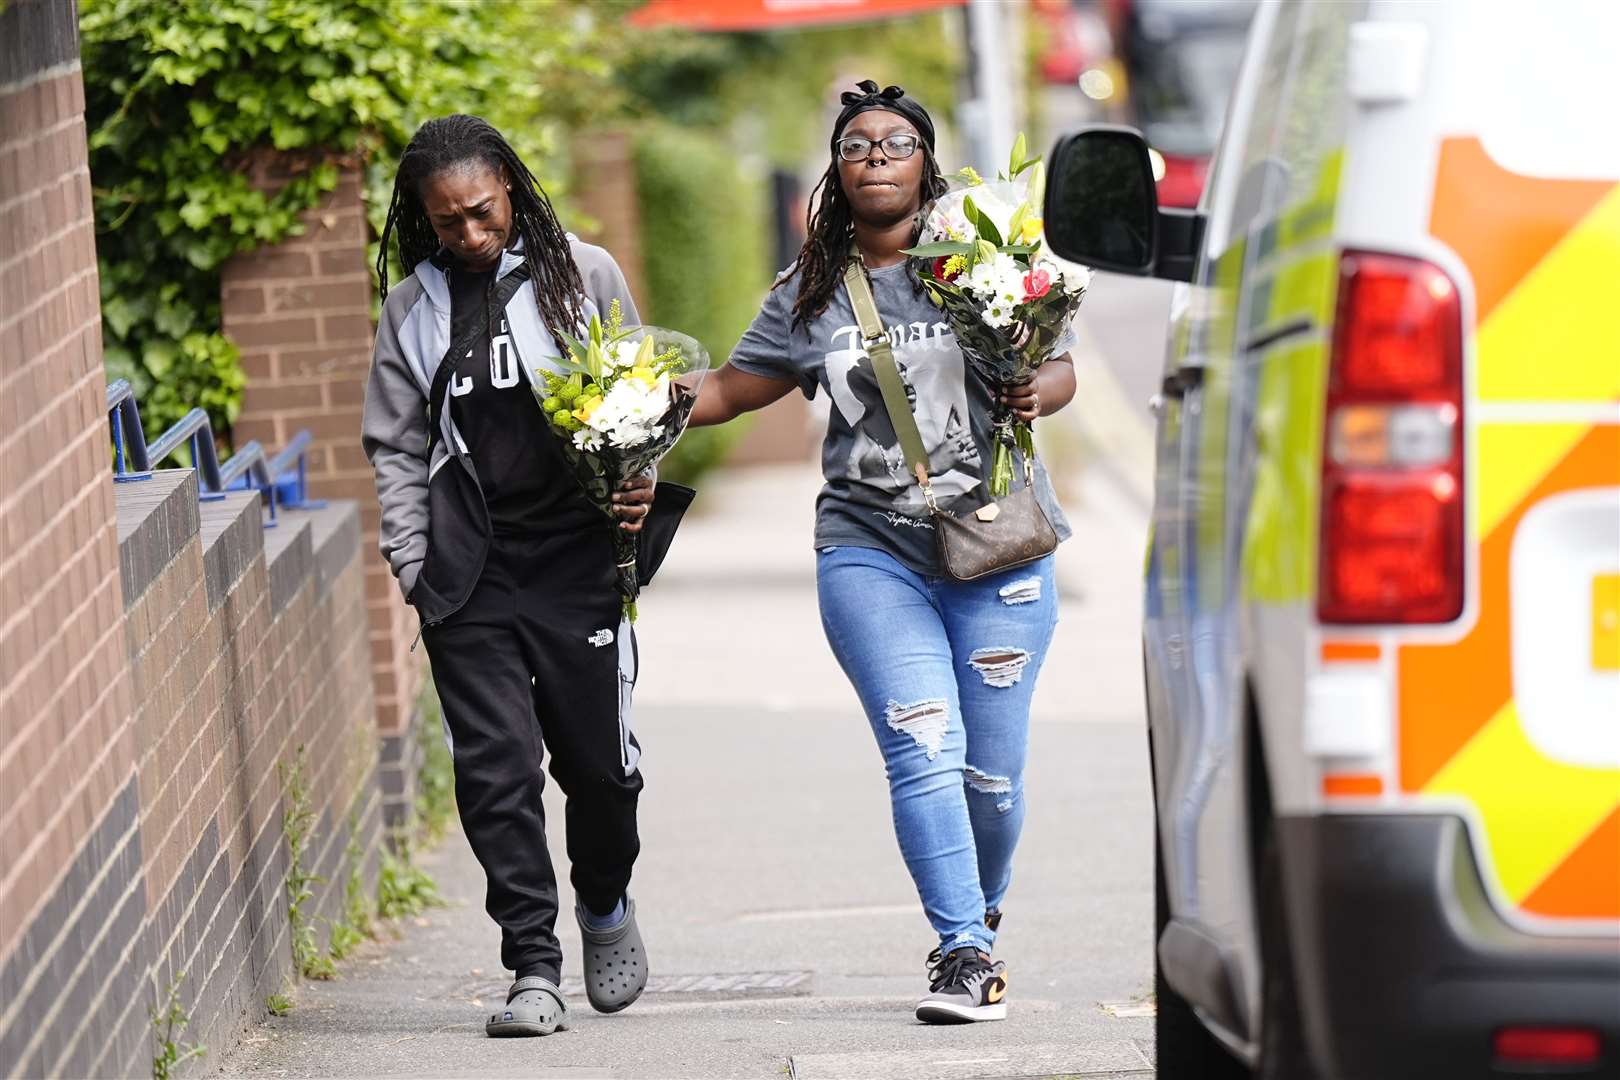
x=125 y=417
x=280 y=481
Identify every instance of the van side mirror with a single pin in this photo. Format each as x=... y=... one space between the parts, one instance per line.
x=1102 y=207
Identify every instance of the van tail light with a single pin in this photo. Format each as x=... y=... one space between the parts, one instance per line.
x=1392 y=461
x=1546 y=1047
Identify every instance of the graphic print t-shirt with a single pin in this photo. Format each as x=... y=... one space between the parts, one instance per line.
x=527 y=484
x=870 y=498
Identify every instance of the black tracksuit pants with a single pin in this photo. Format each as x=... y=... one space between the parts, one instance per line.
x=532 y=663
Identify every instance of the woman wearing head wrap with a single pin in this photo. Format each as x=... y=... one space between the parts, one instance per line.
x=944 y=669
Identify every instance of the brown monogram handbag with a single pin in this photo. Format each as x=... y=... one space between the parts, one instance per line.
x=1000 y=535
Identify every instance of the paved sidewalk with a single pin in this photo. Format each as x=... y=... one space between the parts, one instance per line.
x=784 y=935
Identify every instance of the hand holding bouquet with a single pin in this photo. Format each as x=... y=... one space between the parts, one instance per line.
x=1008 y=300
x=618 y=406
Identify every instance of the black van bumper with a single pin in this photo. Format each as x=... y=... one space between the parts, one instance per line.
x=1405 y=969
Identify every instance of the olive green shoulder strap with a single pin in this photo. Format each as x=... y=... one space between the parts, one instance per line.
x=876 y=342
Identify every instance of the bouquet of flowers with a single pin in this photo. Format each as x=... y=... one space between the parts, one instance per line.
x=618 y=406
x=1007 y=298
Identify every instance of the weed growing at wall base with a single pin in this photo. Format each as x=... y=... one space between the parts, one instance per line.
x=436 y=780
x=298 y=824
x=169 y=1023
x=357 y=923
x=403 y=887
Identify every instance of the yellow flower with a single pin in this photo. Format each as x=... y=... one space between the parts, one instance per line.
x=646 y=376
x=1031 y=231
x=587 y=408
x=955 y=265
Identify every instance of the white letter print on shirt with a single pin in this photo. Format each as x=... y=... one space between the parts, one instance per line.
x=503 y=369
x=503 y=366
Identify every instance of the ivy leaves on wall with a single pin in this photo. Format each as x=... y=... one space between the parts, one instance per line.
x=182 y=95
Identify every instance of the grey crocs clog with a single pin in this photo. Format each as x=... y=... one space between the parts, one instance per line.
x=615 y=962
x=534 y=1006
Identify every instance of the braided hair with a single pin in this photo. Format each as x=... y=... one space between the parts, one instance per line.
x=453 y=142
x=829 y=229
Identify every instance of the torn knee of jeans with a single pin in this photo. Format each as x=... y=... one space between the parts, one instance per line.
x=924 y=721
x=985 y=784
x=1023 y=591
x=1000 y=667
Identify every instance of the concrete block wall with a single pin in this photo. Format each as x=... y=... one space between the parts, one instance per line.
x=301 y=313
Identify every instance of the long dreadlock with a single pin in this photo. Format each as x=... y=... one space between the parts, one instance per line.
x=829 y=228
x=451 y=142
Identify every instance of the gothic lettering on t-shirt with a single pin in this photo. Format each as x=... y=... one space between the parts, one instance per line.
x=870 y=498
x=933 y=373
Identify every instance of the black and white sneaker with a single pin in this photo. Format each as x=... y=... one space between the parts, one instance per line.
x=966 y=986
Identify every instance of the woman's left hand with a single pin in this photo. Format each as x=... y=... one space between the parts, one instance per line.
x=633 y=502
x=1023 y=399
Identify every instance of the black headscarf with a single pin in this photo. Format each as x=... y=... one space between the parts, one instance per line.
x=889 y=99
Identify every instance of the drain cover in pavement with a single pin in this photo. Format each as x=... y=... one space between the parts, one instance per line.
x=719 y=984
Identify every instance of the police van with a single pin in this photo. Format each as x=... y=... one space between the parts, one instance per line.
x=1382 y=619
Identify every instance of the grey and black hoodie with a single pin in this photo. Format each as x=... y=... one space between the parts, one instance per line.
x=435 y=527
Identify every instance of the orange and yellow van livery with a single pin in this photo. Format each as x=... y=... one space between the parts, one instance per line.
x=1544 y=256
x=1382 y=613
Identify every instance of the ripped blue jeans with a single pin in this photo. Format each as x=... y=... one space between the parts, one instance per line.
x=945 y=671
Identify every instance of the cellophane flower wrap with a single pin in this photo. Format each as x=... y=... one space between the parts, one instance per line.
x=618 y=405
x=983 y=258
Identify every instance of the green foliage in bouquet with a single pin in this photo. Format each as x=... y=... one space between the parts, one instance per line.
x=1007 y=299
x=569 y=401
x=616 y=410
x=1023 y=230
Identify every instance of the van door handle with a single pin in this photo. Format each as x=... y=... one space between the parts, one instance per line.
x=1178 y=382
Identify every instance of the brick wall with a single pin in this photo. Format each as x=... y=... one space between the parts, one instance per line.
x=158 y=659
x=246 y=645
x=301 y=313
x=604 y=188
x=65 y=696
x=241 y=645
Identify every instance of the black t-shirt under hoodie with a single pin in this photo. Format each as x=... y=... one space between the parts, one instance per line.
x=528 y=485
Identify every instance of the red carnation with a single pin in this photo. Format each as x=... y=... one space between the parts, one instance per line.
x=1036 y=284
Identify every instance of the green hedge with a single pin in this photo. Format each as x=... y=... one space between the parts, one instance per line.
x=704 y=237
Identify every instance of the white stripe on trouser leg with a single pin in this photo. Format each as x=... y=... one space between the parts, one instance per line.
x=629 y=753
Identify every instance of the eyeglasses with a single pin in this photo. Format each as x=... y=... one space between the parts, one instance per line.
x=898 y=147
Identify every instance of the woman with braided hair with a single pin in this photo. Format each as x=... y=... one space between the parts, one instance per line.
x=944 y=669
x=509 y=567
